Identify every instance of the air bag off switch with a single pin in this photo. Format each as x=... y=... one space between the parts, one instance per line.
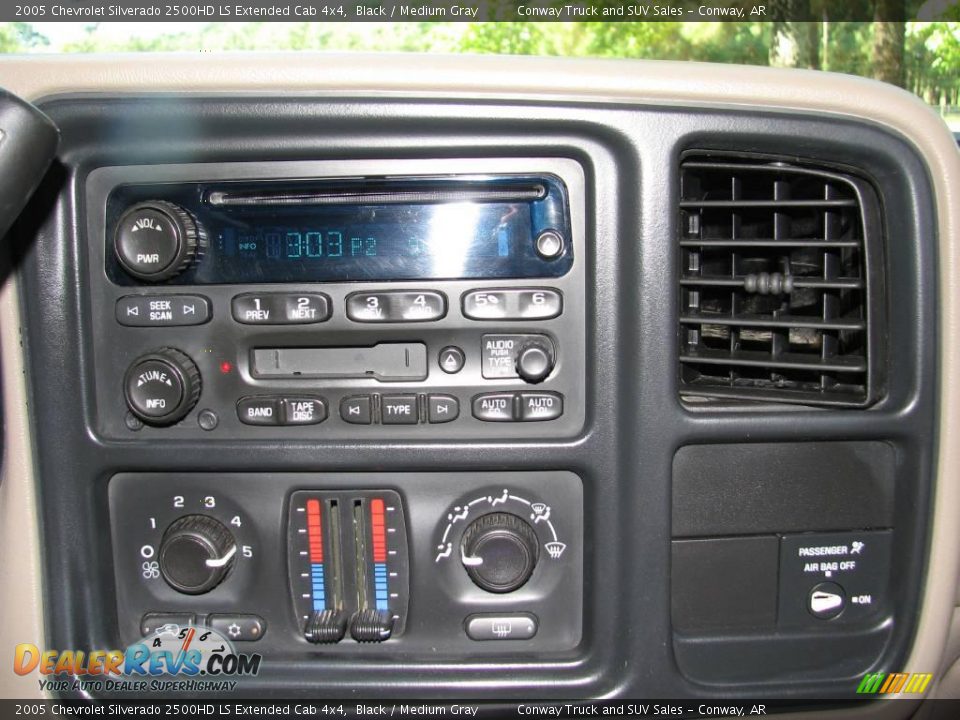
x=161 y=387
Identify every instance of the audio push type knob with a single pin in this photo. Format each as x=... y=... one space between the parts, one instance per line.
x=499 y=552
x=162 y=387
x=535 y=362
x=157 y=240
x=196 y=553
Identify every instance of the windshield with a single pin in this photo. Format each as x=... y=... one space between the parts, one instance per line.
x=920 y=56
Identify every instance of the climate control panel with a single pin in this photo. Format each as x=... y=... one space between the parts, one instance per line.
x=353 y=562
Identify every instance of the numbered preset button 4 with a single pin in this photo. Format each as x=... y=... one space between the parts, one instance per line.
x=396 y=306
x=513 y=304
x=281 y=308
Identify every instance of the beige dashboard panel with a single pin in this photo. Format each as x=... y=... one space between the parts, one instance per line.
x=628 y=82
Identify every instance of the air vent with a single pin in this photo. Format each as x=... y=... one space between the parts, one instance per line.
x=778 y=267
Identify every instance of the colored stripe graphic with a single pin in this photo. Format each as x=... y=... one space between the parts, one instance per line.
x=378 y=532
x=315 y=540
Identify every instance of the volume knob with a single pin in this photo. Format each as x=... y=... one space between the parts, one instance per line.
x=161 y=387
x=157 y=240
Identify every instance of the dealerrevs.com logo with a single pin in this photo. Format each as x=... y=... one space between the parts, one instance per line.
x=172 y=659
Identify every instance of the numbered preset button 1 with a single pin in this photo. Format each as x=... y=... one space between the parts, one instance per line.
x=281 y=308
x=396 y=306
x=513 y=304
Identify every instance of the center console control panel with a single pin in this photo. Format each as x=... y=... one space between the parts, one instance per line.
x=353 y=562
x=339 y=300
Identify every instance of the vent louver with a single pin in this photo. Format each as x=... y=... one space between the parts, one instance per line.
x=775 y=282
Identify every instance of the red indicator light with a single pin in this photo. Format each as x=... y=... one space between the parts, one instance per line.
x=226 y=367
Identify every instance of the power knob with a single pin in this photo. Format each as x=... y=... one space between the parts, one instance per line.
x=499 y=552
x=161 y=387
x=196 y=553
x=157 y=240
x=535 y=362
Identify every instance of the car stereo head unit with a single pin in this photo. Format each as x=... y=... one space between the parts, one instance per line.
x=339 y=300
x=353 y=229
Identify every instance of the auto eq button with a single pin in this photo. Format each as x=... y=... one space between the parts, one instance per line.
x=493 y=407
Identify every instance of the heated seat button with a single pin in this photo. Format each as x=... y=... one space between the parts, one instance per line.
x=540 y=406
x=515 y=626
x=356 y=410
x=442 y=408
x=259 y=411
x=238 y=627
x=399 y=410
x=493 y=407
x=304 y=411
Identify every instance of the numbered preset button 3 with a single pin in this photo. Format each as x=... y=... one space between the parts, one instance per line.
x=281 y=308
x=396 y=306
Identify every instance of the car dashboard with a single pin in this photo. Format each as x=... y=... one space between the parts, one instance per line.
x=505 y=378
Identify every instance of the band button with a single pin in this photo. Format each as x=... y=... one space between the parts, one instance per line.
x=259 y=411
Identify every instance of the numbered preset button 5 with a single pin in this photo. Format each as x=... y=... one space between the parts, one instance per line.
x=512 y=304
x=396 y=306
x=281 y=308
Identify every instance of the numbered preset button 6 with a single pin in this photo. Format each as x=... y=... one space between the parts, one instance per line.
x=512 y=304
x=281 y=308
x=396 y=306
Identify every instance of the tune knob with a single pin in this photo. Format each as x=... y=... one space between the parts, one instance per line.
x=162 y=387
x=499 y=552
x=196 y=553
x=157 y=240
x=535 y=362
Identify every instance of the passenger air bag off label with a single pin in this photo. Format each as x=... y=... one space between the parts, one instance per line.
x=386 y=362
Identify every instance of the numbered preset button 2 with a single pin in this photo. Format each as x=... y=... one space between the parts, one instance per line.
x=396 y=306
x=513 y=304
x=281 y=308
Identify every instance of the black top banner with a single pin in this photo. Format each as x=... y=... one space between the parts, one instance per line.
x=89 y=11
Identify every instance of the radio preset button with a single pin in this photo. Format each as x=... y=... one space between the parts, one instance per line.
x=442 y=408
x=396 y=306
x=356 y=410
x=162 y=310
x=535 y=406
x=399 y=410
x=538 y=304
x=259 y=411
x=303 y=411
x=281 y=308
x=513 y=304
x=494 y=407
x=486 y=304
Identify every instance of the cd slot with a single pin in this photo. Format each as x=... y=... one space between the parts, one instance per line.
x=380 y=196
x=386 y=362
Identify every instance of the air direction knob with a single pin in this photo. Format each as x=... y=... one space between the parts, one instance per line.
x=499 y=552
x=161 y=387
x=157 y=240
x=196 y=553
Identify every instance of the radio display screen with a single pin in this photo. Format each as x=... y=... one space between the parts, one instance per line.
x=318 y=232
